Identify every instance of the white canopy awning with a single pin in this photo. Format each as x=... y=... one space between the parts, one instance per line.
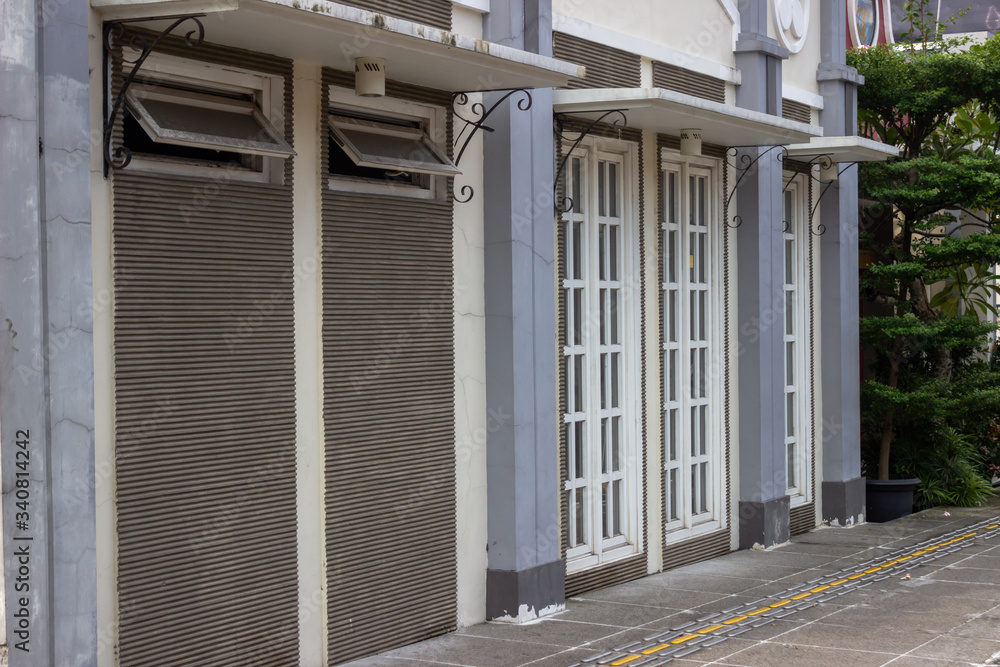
x=331 y=34
x=843 y=149
x=669 y=112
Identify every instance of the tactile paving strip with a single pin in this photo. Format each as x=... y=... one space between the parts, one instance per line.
x=677 y=642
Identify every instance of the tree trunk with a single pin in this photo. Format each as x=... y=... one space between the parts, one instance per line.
x=889 y=423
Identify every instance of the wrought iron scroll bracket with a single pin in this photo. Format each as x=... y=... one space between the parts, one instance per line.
x=823 y=161
x=621 y=122
x=821 y=228
x=744 y=164
x=117 y=158
x=477 y=121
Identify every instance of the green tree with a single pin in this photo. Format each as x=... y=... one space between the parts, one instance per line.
x=938 y=103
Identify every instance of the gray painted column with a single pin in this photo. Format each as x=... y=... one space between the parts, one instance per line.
x=46 y=365
x=843 y=490
x=525 y=572
x=764 y=504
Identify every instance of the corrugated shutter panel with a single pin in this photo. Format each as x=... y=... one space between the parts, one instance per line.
x=688 y=82
x=205 y=414
x=802 y=519
x=792 y=110
x=606 y=67
x=636 y=566
x=435 y=13
x=389 y=416
x=696 y=550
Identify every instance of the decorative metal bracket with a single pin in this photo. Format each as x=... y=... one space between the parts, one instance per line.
x=746 y=163
x=472 y=125
x=622 y=122
x=821 y=229
x=117 y=158
x=822 y=161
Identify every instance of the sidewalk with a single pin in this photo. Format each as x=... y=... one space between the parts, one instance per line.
x=835 y=596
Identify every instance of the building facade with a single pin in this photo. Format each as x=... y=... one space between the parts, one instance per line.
x=331 y=328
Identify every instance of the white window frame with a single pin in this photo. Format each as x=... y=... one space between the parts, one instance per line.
x=797 y=232
x=267 y=89
x=598 y=551
x=431 y=118
x=445 y=167
x=687 y=524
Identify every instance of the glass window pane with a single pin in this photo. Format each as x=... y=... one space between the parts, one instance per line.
x=702 y=243
x=604 y=382
x=604 y=445
x=673 y=417
x=702 y=314
x=702 y=202
x=581 y=513
x=604 y=509
x=578 y=380
x=673 y=371
x=788 y=213
x=704 y=429
x=613 y=195
x=791 y=465
x=614 y=252
x=693 y=371
x=673 y=509
x=790 y=414
x=601 y=200
x=694 y=489
x=672 y=257
x=692 y=204
x=602 y=300
x=614 y=317
x=580 y=458
x=702 y=372
x=789 y=262
x=673 y=316
x=615 y=370
x=672 y=198
x=704 y=487
x=790 y=364
x=691 y=251
x=694 y=431
x=617 y=504
x=577 y=186
x=693 y=315
x=577 y=251
x=616 y=455
x=578 y=317
x=790 y=313
x=601 y=249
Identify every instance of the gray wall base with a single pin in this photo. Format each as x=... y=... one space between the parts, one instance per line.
x=535 y=588
x=844 y=502
x=765 y=523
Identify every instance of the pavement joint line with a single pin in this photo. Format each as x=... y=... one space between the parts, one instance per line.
x=840 y=580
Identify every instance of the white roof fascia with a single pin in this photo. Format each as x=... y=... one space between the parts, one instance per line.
x=668 y=112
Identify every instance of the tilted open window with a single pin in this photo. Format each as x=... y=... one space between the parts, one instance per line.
x=206 y=121
x=388 y=146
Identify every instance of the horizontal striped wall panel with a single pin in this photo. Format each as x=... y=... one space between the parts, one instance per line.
x=578 y=583
x=607 y=67
x=389 y=416
x=688 y=82
x=696 y=549
x=204 y=422
x=435 y=13
x=792 y=110
x=802 y=519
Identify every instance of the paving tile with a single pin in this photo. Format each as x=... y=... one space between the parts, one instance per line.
x=970 y=575
x=651 y=596
x=608 y=613
x=785 y=655
x=838 y=636
x=474 y=651
x=704 y=583
x=914 y=661
x=983 y=627
x=868 y=617
x=549 y=631
x=958 y=648
x=562 y=659
x=940 y=587
x=386 y=661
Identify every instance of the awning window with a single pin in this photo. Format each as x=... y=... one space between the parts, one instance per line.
x=201 y=120
x=386 y=146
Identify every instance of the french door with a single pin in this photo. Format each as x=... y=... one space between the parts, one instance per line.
x=599 y=353
x=691 y=345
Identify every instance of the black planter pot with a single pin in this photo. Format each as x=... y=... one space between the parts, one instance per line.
x=890 y=499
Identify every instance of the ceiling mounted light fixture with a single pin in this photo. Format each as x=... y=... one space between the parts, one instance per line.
x=369 y=77
x=691 y=142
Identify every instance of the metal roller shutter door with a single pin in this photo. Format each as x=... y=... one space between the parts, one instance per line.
x=205 y=413
x=389 y=413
